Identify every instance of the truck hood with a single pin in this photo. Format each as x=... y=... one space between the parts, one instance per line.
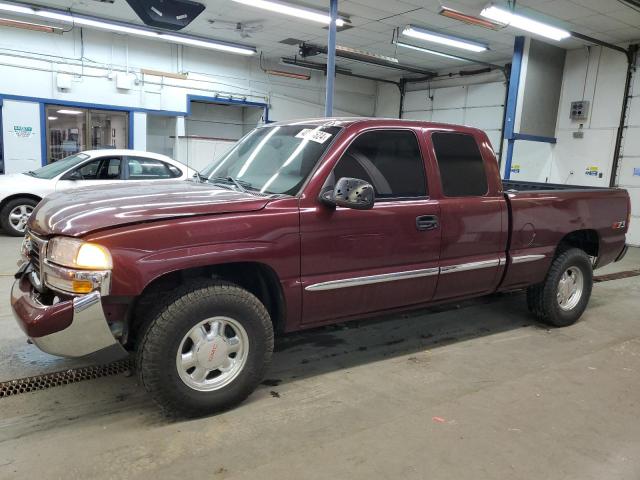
x=83 y=210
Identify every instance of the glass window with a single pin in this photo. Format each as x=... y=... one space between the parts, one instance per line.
x=275 y=160
x=461 y=167
x=149 y=169
x=54 y=169
x=71 y=130
x=101 y=169
x=390 y=160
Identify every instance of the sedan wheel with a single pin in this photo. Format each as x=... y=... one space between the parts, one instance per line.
x=18 y=217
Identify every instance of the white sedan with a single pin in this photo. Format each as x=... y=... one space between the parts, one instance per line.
x=21 y=192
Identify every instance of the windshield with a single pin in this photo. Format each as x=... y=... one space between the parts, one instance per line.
x=56 y=168
x=273 y=160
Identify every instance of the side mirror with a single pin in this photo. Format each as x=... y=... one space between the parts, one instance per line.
x=350 y=193
x=75 y=175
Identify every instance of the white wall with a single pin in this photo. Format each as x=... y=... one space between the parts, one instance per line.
x=629 y=164
x=37 y=58
x=477 y=105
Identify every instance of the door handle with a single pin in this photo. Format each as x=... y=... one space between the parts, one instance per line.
x=427 y=222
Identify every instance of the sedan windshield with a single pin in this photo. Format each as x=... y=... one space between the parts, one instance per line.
x=56 y=168
x=272 y=160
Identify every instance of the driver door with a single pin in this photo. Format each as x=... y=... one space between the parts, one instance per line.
x=99 y=171
x=362 y=261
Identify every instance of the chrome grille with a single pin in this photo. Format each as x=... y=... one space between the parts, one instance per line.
x=36 y=252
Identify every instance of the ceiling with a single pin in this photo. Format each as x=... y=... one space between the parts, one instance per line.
x=374 y=21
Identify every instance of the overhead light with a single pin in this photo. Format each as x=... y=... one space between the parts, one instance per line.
x=195 y=42
x=120 y=27
x=10 y=7
x=37 y=27
x=512 y=19
x=429 y=36
x=363 y=53
x=470 y=19
x=294 y=11
x=52 y=118
x=280 y=73
x=70 y=112
x=431 y=52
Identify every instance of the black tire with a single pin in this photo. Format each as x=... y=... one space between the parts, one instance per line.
x=6 y=224
x=177 y=315
x=542 y=299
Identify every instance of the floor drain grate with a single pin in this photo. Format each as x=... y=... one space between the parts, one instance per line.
x=616 y=276
x=55 y=379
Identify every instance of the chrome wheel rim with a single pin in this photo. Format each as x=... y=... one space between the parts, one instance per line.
x=212 y=353
x=570 y=288
x=19 y=215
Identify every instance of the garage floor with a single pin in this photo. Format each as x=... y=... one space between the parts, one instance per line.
x=474 y=391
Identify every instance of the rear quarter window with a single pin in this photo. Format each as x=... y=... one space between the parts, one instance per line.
x=462 y=170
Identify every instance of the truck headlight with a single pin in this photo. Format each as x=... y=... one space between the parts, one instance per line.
x=75 y=253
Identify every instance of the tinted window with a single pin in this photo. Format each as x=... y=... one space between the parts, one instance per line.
x=461 y=167
x=389 y=160
x=101 y=169
x=150 y=169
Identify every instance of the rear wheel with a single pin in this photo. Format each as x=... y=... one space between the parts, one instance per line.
x=205 y=349
x=14 y=215
x=562 y=298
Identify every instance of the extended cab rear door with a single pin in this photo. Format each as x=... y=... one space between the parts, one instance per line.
x=356 y=262
x=473 y=213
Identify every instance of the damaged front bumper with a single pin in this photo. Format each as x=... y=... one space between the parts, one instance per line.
x=67 y=326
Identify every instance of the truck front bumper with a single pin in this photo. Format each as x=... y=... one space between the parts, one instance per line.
x=70 y=328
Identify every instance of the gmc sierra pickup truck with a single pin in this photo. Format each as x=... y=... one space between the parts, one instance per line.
x=301 y=224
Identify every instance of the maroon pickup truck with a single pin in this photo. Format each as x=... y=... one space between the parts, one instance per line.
x=301 y=224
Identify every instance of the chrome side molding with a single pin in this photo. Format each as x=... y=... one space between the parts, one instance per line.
x=526 y=258
x=463 y=267
x=426 y=272
x=368 y=280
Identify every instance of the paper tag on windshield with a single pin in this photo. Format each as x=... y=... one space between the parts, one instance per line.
x=317 y=136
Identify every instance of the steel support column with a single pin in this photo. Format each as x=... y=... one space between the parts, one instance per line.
x=331 y=59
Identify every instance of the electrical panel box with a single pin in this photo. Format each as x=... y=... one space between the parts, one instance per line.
x=124 y=81
x=63 y=81
x=579 y=110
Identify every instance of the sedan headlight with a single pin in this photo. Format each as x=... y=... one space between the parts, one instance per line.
x=75 y=253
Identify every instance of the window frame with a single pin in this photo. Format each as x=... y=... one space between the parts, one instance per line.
x=427 y=195
x=100 y=159
x=127 y=175
x=437 y=163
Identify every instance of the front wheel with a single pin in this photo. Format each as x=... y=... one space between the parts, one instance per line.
x=206 y=349
x=562 y=298
x=14 y=215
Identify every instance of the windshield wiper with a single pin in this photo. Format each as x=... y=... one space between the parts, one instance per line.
x=240 y=185
x=31 y=173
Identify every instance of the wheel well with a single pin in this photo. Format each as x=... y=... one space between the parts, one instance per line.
x=586 y=240
x=257 y=278
x=19 y=195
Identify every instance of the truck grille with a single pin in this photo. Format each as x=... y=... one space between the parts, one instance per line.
x=36 y=252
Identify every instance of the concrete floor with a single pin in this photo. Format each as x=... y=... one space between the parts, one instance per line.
x=476 y=391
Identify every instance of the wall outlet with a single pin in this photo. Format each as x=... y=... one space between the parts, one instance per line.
x=579 y=110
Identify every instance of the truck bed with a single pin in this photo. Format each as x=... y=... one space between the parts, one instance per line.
x=521 y=186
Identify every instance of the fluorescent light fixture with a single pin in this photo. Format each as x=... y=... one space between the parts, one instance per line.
x=194 y=42
x=431 y=52
x=294 y=11
x=429 y=36
x=363 y=53
x=10 y=7
x=118 y=27
x=524 y=23
x=469 y=19
x=52 y=118
x=70 y=112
